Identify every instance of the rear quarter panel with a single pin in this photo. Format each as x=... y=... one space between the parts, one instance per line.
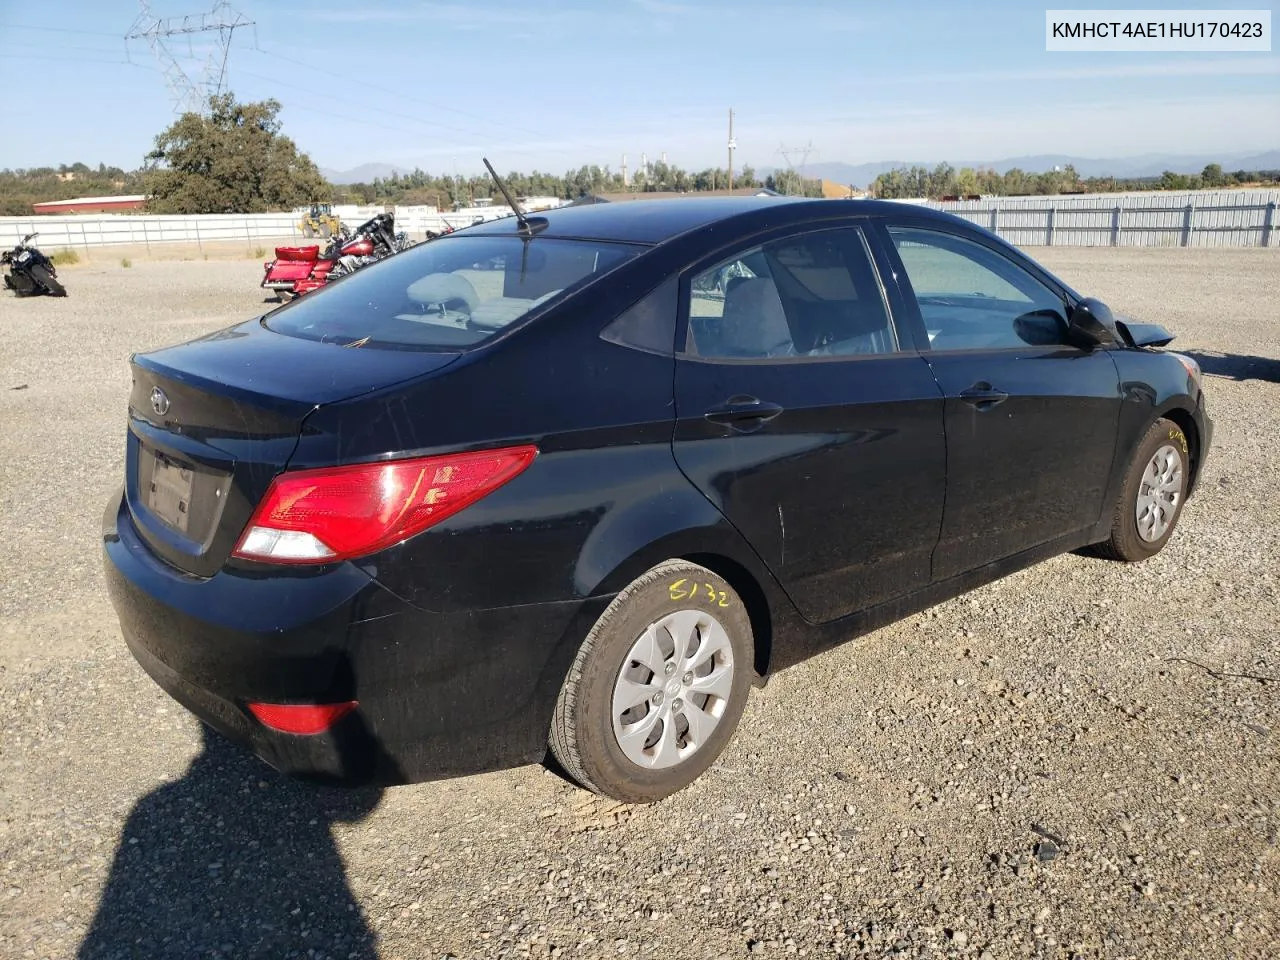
x=602 y=492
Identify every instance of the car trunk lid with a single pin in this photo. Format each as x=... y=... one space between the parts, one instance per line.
x=212 y=421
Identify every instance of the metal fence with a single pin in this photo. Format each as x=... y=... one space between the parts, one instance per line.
x=85 y=231
x=63 y=232
x=1224 y=218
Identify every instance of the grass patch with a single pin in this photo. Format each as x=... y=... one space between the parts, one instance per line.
x=126 y=262
x=259 y=252
x=64 y=258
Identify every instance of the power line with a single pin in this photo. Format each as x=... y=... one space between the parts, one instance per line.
x=35 y=56
x=65 y=47
x=488 y=140
x=405 y=96
x=94 y=33
x=435 y=106
x=366 y=106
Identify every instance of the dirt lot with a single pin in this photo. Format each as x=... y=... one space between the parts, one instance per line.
x=1037 y=769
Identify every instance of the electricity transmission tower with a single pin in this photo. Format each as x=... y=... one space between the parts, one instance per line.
x=788 y=153
x=190 y=92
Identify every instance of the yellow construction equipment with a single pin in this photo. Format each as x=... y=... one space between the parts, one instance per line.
x=319 y=220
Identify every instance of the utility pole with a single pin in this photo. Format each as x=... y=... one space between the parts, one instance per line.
x=190 y=93
x=732 y=143
x=624 y=170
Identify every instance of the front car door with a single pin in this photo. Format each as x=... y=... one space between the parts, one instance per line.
x=809 y=421
x=1030 y=419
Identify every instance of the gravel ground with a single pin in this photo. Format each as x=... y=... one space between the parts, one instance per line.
x=1036 y=769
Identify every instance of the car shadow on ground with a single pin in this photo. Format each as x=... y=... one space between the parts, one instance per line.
x=1236 y=366
x=233 y=860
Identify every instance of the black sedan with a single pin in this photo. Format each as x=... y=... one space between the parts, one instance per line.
x=577 y=482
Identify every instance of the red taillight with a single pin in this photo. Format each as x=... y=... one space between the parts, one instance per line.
x=301 y=718
x=336 y=513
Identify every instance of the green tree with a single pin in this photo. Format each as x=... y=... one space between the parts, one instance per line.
x=232 y=160
x=890 y=185
x=1213 y=175
x=789 y=183
x=1017 y=182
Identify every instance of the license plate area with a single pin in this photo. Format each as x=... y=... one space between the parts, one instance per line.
x=168 y=495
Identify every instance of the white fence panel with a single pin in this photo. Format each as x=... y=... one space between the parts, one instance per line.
x=1210 y=218
x=1205 y=218
x=86 y=231
x=106 y=230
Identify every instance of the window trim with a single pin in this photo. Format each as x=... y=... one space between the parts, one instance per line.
x=863 y=225
x=1024 y=264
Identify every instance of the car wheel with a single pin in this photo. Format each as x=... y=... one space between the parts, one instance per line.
x=658 y=687
x=1153 y=494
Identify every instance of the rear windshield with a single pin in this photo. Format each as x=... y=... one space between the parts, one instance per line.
x=447 y=294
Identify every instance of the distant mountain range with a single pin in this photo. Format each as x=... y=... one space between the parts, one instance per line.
x=862 y=174
x=1147 y=165
x=365 y=173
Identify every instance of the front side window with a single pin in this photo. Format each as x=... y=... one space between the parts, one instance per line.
x=447 y=294
x=812 y=295
x=973 y=298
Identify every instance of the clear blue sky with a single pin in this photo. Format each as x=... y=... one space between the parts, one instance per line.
x=553 y=85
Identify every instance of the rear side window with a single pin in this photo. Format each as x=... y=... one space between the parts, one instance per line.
x=447 y=294
x=811 y=295
x=650 y=324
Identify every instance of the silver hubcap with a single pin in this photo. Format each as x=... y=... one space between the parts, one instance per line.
x=1159 y=494
x=673 y=689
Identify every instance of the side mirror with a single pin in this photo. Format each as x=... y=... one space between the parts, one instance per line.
x=1091 y=324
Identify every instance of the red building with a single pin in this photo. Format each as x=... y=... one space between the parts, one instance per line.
x=92 y=205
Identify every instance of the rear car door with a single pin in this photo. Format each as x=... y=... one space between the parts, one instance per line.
x=809 y=421
x=1030 y=419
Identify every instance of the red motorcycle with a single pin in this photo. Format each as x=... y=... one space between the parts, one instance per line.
x=298 y=270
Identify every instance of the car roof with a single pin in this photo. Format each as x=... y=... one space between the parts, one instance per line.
x=654 y=221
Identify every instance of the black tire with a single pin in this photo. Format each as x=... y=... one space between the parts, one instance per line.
x=45 y=279
x=1126 y=542
x=582 y=736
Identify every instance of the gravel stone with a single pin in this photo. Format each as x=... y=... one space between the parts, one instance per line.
x=1126 y=708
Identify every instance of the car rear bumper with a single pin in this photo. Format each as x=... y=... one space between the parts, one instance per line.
x=440 y=694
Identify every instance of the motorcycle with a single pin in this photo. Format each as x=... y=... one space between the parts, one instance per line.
x=302 y=265
x=299 y=270
x=29 y=272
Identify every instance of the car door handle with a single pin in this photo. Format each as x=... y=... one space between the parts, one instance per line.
x=983 y=395
x=743 y=413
